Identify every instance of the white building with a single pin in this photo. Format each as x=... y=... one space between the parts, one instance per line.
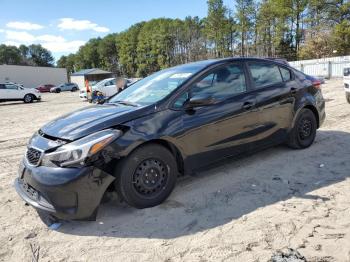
x=33 y=76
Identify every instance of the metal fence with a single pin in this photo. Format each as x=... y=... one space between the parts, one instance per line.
x=326 y=67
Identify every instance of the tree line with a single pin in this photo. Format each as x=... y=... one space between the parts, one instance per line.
x=290 y=29
x=33 y=55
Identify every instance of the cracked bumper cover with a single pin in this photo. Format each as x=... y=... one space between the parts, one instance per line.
x=66 y=193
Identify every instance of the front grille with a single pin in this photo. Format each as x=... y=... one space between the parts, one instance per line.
x=33 y=156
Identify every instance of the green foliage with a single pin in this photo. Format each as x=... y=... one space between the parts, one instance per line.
x=25 y=55
x=40 y=56
x=244 y=15
x=9 y=55
x=217 y=28
x=67 y=62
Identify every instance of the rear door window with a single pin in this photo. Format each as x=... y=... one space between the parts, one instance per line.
x=264 y=74
x=221 y=83
x=11 y=87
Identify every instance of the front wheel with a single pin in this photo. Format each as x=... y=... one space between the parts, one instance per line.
x=74 y=89
x=304 y=131
x=147 y=176
x=28 y=98
x=58 y=90
x=347 y=97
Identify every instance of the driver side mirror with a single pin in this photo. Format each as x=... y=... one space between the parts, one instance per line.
x=199 y=102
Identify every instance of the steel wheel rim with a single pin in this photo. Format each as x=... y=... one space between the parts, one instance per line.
x=150 y=177
x=305 y=128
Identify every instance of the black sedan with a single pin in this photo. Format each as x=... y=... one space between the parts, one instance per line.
x=168 y=124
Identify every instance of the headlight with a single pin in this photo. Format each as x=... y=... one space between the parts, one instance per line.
x=77 y=152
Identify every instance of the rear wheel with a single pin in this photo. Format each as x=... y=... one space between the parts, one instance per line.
x=347 y=97
x=28 y=98
x=304 y=131
x=74 y=89
x=147 y=176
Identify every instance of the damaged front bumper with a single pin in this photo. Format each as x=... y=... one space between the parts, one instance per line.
x=65 y=193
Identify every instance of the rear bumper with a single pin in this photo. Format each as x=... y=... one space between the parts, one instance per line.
x=65 y=193
x=321 y=108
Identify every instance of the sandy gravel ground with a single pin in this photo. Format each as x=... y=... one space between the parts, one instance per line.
x=243 y=210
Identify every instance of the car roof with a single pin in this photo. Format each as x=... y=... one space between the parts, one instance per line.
x=206 y=63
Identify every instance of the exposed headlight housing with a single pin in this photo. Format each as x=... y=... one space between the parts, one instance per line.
x=76 y=153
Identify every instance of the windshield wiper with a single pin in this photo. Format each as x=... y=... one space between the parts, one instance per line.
x=127 y=103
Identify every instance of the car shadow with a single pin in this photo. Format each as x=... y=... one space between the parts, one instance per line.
x=19 y=103
x=227 y=192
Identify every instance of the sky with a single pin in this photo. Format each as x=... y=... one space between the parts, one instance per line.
x=62 y=26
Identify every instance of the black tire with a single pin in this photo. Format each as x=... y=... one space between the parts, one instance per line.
x=58 y=90
x=147 y=176
x=74 y=89
x=28 y=98
x=347 y=97
x=304 y=131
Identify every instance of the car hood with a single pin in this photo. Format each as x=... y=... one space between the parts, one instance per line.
x=91 y=119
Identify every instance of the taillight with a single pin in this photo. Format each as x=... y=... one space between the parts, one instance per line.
x=316 y=83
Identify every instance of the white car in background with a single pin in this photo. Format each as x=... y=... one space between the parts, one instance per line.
x=346 y=79
x=15 y=92
x=108 y=87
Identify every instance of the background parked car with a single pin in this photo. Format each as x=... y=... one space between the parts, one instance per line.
x=346 y=78
x=64 y=87
x=44 y=88
x=13 y=92
x=107 y=87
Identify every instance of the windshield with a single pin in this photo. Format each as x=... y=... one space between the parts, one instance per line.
x=156 y=86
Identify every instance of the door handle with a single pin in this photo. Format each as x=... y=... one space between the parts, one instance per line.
x=293 y=90
x=247 y=105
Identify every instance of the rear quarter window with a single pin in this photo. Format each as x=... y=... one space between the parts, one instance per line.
x=299 y=75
